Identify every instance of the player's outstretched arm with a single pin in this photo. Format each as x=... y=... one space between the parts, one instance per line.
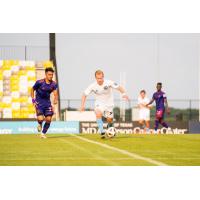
x=122 y=91
x=83 y=100
x=152 y=100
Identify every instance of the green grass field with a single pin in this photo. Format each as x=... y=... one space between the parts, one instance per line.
x=90 y=150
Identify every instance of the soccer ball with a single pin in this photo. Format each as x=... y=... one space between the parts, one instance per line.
x=111 y=132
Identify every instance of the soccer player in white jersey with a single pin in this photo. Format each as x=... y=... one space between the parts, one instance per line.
x=104 y=101
x=144 y=112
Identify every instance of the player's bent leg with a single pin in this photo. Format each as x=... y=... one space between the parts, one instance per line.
x=147 y=126
x=110 y=122
x=46 y=126
x=100 y=122
x=159 y=115
x=141 y=122
x=40 y=120
x=163 y=123
x=156 y=125
x=108 y=114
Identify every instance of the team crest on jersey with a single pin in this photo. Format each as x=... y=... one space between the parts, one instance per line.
x=105 y=87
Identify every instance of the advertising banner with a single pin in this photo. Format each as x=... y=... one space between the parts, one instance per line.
x=134 y=128
x=28 y=127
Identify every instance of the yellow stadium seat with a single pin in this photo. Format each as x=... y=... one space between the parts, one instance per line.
x=1 y=74
x=24 y=113
x=16 y=114
x=6 y=67
x=22 y=72
x=30 y=68
x=14 y=82
x=47 y=64
x=6 y=62
x=14 y=77
x=23 y=99
x=6 y=105
x=16 y=62
x=15 y=100
x=14 y=88
x=32 y=78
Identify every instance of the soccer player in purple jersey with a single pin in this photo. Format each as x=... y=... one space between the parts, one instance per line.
x=161 y=102
x=41 y=100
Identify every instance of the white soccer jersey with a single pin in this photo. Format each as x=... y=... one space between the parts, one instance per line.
x=103 y=93
x=144 y=112
x=144 y=102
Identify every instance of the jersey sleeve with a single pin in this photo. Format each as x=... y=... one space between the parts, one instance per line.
x=154 y=96
x=89 y=90
x=164 y=96
x=36 y=85
x=113 y=84
x=55 y=87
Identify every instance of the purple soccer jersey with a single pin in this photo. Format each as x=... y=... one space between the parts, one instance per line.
x=159 y=98
x=43 y=91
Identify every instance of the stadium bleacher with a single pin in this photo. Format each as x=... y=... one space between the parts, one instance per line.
x=16 y=79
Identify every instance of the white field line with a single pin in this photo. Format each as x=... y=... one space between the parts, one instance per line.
x=130 y=154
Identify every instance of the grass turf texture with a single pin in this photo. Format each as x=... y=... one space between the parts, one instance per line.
x=63 y=149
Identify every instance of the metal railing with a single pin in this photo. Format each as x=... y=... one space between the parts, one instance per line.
x=181 y=109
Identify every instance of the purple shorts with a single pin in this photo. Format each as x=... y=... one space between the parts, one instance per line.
x=46 y=110
x=160 y=114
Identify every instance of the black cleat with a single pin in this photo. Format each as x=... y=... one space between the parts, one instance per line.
x=103 y=135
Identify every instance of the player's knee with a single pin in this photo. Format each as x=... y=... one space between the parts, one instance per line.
x=109 y=120
x=48 y=120
x=40 y=118
x=98 y=114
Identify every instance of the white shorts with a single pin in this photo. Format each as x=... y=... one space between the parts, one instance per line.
x=144 y=115
x=107 y=111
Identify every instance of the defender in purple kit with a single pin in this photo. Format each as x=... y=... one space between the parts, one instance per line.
x=161 y=102
x=40 y=94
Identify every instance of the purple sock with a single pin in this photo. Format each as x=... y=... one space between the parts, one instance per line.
x=46 y=127
x=164 y=124
x=156 y=124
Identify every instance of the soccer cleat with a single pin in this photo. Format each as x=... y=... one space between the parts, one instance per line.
x=155 y=132
x=43 y=136
x=103 y=135
x=147 y=131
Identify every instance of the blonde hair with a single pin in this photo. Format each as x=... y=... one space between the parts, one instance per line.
x=99 y=72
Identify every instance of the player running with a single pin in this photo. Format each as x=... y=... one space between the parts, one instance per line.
x=144 y=112
x=104 y=103
x=44 y=110
x=161 y=102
